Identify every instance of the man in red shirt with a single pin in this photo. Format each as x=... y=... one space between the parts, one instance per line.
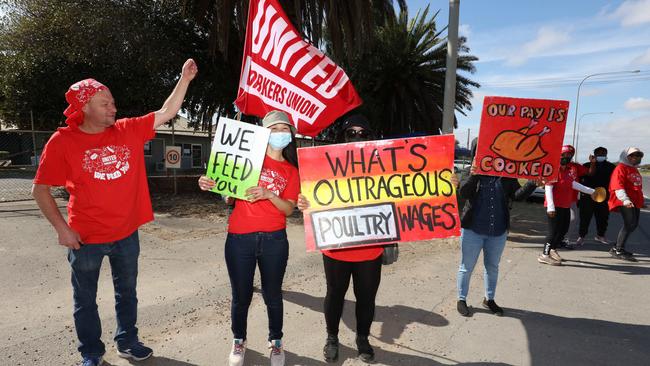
x=626 y=197
x=100 y=162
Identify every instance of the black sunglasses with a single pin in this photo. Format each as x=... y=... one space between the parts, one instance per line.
x=636 y=155
x=352 y=133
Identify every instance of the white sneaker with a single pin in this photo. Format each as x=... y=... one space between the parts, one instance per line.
x=236 y=357
x=556 y=256
x=601 y=239
x=277 y=353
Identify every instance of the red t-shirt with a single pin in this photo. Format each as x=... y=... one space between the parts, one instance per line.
x=281 y=178
x=563 y=193
x=359 y=254
x=628 y=178
x=105 y=176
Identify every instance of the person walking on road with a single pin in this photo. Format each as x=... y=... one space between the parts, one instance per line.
x=257 y=237
x=589 y=208
x=100 y=162
x=626 y=197
x=485 y=221
x=558 y=199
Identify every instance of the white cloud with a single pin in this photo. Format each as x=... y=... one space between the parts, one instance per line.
x=633 y=104
x=465 y=30
x=615 y=135
x=547 y=39
x=588 y=92
x=633 y=12
x=643 y=59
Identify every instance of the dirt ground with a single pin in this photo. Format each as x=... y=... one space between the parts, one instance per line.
x=588 y=312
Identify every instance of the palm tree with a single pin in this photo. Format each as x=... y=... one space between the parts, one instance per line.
x=346 y=26
x=402 y=78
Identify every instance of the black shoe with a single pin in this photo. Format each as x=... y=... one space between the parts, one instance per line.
x=366 y=353
x=331 y=349
x=462 y=308
x=622 y=254
x=490 y=304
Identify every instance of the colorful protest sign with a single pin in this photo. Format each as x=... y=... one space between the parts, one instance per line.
x=521 y=138
x=237 y=156
x=379 y=192
x=281 y=71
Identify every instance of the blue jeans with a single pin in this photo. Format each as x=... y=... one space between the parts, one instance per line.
x=471 y=244
x=86 y=264
x=269 y=251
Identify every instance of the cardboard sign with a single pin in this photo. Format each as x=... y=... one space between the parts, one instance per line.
x=237 y=156
x=379 y=192
x=172 y=157
x=521 y=138
x=281 y=71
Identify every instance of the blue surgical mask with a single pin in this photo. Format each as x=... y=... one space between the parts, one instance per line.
x=600 y=159
x=279 y=140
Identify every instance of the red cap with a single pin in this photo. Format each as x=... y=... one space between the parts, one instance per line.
x=77 y=96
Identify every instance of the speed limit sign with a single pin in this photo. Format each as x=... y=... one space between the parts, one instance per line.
x=172 y=157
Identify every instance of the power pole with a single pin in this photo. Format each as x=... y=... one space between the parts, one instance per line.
x=450 y=75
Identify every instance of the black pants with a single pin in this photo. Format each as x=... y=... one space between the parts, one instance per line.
x=366 y=277
x=558 y=226
x=589 y=208
x=630 y=222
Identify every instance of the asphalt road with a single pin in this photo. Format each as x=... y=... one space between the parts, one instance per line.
x=590 y=311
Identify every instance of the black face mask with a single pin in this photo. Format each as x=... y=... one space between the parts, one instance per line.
x=565 y=161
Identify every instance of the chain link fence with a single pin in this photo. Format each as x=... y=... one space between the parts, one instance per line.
x=19 y=154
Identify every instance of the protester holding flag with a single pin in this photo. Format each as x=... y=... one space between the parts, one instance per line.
x=257 y=237
x=559 y=196
x=363 y=264
x=485 y=221
x=626 y=197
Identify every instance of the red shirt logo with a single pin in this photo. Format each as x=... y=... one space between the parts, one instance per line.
x=107 y=163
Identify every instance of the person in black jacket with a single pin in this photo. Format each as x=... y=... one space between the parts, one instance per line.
x=485 y=221
x=589 y=207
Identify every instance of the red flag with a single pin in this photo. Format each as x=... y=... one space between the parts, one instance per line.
x=281 y=71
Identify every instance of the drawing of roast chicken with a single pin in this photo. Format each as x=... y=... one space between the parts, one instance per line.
x=520 y=145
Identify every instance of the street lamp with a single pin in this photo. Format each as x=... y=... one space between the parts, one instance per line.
x=575 y=119
x=577 y=135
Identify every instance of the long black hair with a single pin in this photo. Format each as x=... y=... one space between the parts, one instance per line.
x=290 y=152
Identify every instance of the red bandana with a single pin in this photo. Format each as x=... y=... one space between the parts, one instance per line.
x=568 y=149
x=77 y=96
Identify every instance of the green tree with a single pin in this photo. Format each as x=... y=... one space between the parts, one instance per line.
x=402 y=78
x=135 y=47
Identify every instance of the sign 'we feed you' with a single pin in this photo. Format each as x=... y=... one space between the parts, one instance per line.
x=237 y=157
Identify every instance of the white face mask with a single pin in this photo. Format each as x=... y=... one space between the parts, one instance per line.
x=279 y=140
x=600 y=159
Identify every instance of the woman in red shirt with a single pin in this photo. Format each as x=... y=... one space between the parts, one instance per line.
x=626 y=197
x=257 y=237
x=363 y=264
x=558 y=199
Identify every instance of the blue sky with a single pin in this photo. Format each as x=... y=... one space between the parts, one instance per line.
x=542 y=49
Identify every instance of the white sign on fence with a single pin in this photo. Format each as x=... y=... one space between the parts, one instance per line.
x=173 y=157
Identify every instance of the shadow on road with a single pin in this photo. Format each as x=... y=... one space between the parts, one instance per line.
x=393 y=319
x=557 y=340
x=157 y=361
x=381 y=356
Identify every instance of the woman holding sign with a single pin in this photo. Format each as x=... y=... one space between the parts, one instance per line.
x=485 y=221
x=559 y=196
x=362 y=264
x=257 y=237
